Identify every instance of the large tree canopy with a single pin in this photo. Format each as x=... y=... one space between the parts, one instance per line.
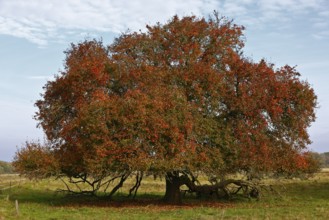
x=177 y=99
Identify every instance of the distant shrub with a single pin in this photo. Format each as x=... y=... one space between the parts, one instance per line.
x=325 y=159
x=6 y=167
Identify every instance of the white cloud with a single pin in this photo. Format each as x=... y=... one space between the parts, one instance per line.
x=42 y=21
x=20 y=29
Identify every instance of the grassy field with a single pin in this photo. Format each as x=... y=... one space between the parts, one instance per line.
x=294 y=199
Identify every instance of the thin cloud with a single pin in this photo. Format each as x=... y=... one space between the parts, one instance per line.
x=40 y=21
x=40 y=78
x=279 y=14
x=321 y=35
x=293 y=6
x=321 y=24
x=43 y=21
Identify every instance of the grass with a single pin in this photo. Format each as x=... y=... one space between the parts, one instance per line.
x=296 y=199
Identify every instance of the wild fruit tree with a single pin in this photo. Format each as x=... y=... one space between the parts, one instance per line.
x=176 y=100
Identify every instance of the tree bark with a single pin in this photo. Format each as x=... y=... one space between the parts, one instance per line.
x=173 y=183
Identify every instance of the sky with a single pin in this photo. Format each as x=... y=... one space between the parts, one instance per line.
x=34 y=34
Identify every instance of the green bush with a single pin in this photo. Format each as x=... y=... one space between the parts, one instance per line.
x=5 y=167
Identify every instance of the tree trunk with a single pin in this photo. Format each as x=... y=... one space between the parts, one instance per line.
x=173 y=195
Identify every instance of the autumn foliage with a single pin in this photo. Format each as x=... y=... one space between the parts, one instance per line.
x=177 y=99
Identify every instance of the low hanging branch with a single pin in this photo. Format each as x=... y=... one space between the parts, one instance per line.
x=80 y=191
x=134 y=189
x=95 y=184
x=120 y=184
x=108 y=182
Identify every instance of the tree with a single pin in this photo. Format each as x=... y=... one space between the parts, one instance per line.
x=178 y=99
x=36 y=160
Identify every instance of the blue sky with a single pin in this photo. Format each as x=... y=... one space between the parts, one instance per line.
x=34 y=34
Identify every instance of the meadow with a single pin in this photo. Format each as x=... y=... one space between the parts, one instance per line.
x=291 y=199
